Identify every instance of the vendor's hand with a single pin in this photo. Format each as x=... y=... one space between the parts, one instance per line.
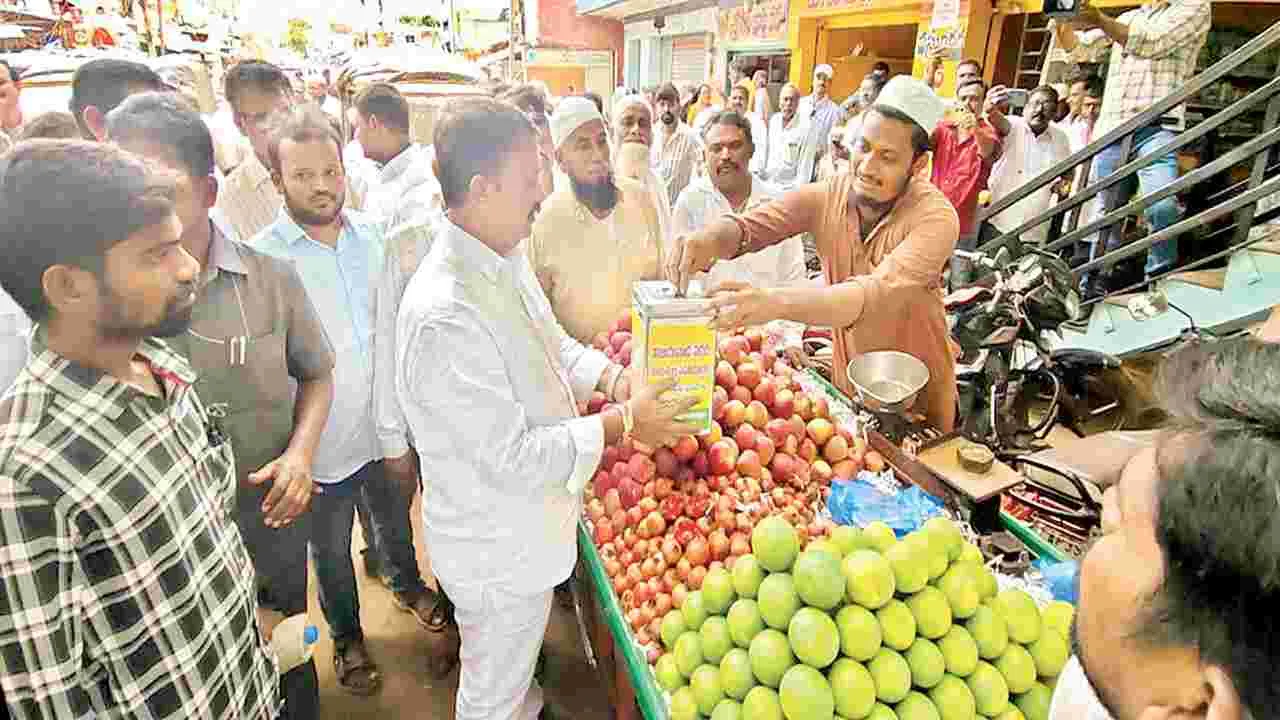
x=268 y=619
x=997 y=96
x=737 y=304
x=291 y=488
x=654 y=410
x=693 y=253
x=402 y=472
x=622 y=392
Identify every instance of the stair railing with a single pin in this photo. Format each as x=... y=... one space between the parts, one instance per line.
x=1240 y=201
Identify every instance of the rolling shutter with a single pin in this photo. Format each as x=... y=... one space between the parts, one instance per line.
x=689 y=59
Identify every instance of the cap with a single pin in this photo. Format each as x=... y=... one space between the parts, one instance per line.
x=625 y=101
x=824 y=70
x=571 y=114
x=913 y=98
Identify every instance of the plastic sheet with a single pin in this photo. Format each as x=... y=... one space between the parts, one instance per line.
x=858 y=503
x=1060 y=578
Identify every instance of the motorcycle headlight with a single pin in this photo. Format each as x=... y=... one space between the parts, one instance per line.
x=1073 y=304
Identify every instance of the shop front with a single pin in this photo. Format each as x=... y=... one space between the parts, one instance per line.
x=853 y=35
x=571 y=72
x=679 y=48
x=754 y=35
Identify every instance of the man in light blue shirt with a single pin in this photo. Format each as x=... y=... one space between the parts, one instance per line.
x=338 y=254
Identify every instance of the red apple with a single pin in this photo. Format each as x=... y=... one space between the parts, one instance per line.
x=749 y=464
x=821 y=407
x=665 y=462
x=745 y=436
x=735 y=412
x=618 y=339
x=685 y=448
x=821 y=471
x=701 y=465
x=726 y=376
x=629 y=491
x=778 y=430
x=723 y=456
x=782 y=468
x=712 y=436
x=641 y=467
x=804 y=406
x=755 y=338
x=612 y=502
x=719 y=397
x=784 y=403
x=808 y=450
x=749 y=375
x=757 y=415
x=798 y=427
x=603 y=533
x=734 y=349
x=741 y=393
x=766 y=392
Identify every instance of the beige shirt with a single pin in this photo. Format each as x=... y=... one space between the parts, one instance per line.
x=586 y=265
x=249 y=201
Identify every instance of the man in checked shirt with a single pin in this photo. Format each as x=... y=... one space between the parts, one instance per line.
x=125 y=588
x=1153 y=52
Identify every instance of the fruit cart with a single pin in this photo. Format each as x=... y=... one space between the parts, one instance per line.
x=634 y=677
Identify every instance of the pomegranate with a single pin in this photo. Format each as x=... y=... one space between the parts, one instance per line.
x=671 y=551
x=683 y=568
x=739 y=544
x=630 y=493
x=612 y=567
x=634 y=516
x=665 y=463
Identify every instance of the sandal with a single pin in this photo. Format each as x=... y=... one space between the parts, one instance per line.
x=430 y=608
x=355 y=670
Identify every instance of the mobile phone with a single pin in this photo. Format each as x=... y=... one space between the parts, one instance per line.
x=1018 y=97
x=1062 y=8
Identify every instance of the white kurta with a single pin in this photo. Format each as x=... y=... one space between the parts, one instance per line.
x=15 y=337
x=489 y=383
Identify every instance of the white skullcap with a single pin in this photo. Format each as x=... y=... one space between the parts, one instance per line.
x=824 y=70
x=913 y=98
x=622 y=102
x=571 y=114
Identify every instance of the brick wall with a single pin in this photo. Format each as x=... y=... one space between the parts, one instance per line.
x=560 y=26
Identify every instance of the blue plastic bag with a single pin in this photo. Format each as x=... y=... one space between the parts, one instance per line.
x=858 y=503
x=1060 y=578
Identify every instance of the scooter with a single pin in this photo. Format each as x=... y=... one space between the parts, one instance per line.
x=1013 y=367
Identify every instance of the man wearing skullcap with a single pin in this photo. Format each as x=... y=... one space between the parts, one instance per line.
x=598 y=235
x=884 y=234
x=632 y=131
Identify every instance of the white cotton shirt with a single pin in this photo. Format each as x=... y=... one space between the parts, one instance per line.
x=15 y=340
x=779 y=266
x=791 y=155
x=1024 y=157
x=489 y=383
x=760 y=139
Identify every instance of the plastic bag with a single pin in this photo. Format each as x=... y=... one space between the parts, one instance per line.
x=859 y=503
x=1060 y=578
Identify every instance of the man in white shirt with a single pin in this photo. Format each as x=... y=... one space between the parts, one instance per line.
x=15 y=336
x=727 y=188
x=1030 y=145
x=759 y=131
x=490 y=383
x=822 y=112
x=791 y=155
x=405 y=200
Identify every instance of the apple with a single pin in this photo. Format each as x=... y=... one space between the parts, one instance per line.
x=783 y=467
x=835 y=450
x=745 y=436
x=749 y=464
x=723 y=456
x=642 y=468
x=701 y=465
x=821 y=471
x=686 y=448
x=712 y=436
x=749 y=375
x=755 y=338
x=804 y=406
x=603 y=533
x=726 y=376
x=612 y=501
x=719 y=397
x=734 y=349
x=820 y=430
x=741 y=393
x=648 y=503
x=765 y=448
x=821 y=407
x=784 y=402
x=666 y=463
x=808 y=450
x=765 y=392
x=798 y=427
x=735 y=412
x=778 y=430
x=719 y=545
x=619 y=339
x=757 y=415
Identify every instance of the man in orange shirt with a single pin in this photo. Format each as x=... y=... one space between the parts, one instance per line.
x=884 y=234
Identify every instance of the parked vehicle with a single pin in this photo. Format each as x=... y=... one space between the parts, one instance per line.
x=426 y=80
x=1015 y=382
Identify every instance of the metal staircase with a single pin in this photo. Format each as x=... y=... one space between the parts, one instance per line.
x=1225 y=290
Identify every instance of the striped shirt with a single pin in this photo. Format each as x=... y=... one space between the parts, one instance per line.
x=125 y=588
x=675 y=156
x=1165 y=38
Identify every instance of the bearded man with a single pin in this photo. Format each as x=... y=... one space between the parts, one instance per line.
x=597 y=236
x=633 y=137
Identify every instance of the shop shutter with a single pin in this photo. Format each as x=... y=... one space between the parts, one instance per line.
x=688 y=60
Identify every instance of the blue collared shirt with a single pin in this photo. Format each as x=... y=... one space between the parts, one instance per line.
x=341 y=284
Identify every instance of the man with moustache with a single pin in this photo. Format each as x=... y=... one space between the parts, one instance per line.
x=727 y=187
x=597 y=236
x=884 y=234
x=253 y=330
x=822 y=112
x=791 y=156
x=1029 y=145
x=125 y=587
x=738 y=103
x=338 y=255
x=490 y=383
x=676 y=147
x=633 y=135
x=1176 y=613
x=965 y=149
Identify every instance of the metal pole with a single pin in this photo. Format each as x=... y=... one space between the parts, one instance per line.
x=453 y=28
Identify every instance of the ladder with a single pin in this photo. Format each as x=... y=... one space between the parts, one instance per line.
x=1032 y=47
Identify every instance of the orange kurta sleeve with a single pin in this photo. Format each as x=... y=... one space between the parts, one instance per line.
x=794 y=213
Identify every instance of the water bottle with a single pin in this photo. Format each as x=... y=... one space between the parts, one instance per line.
x=293 y=641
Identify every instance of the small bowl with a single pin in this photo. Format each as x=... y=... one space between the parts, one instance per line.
x=887 y=380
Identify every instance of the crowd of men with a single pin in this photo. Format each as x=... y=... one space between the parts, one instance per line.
x=221 y=372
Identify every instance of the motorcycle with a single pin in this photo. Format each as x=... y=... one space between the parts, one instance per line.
x=1016 y=381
